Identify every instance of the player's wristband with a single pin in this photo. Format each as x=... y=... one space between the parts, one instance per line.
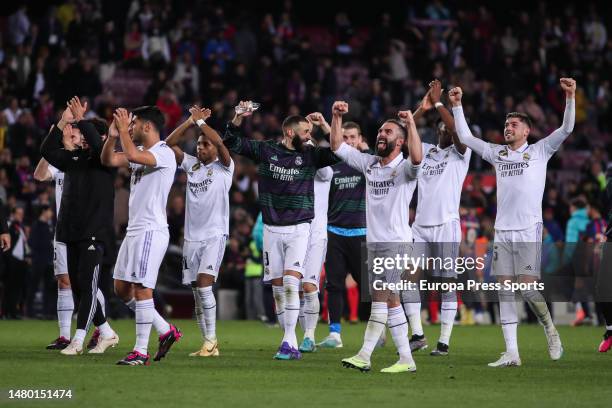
x=438 y=104
x=200 y=122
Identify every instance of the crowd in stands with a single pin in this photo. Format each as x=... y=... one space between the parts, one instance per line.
x=174 y=54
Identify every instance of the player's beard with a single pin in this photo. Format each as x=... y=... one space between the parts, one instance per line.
x=298 y=145
x=386 y=151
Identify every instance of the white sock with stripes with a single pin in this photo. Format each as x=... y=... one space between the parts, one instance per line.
x=209 y=310
x=311 y=314
x=398 y=326
x=508 y=317
x=291 y=284
x=279 y=302
x=144 y=321
x=301 y=316
x=374 y=329
x=447 y=315
x=65 y=309
x=199 y=313
x=160 y=324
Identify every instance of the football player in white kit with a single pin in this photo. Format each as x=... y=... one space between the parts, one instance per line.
x=142 y=251
x=209 y=179
x=520 y=170
x=317 y=248
x=390 y=183
x=65 y=303
x=436 y=228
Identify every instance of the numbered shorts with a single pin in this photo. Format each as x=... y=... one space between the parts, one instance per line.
x=285 y=248
x=140 y=257
x=518 y=252
x=60 y=259
x=203 y=257
x=380 y=269
x=440 y=243
x=314 y=262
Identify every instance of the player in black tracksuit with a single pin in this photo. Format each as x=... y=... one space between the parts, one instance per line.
x=85 y=220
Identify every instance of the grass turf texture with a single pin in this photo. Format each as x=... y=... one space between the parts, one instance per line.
x=246 y=375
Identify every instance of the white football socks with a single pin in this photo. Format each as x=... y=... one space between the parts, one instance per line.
x=199 y=313
x=160 y=324
x=144 y=321
x=209 y=309
x=311 y=314
x=375 y=327
x=508 y=317
x=398 y=326
x=65 y=309
x=447 y=315
x=279 y=301
x=291 y=284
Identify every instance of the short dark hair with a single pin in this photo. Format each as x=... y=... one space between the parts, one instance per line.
x=150 y=114
x=43 y=208
x=292 y=121
x=100 y=125
x=400 y=125
x=523 y=117
x=578 y=202
x=351 y=125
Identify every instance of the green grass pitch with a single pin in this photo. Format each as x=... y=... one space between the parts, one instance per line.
x=245 y=375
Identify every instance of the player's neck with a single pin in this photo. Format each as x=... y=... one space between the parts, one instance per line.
x=288 y=143
x=386 y=160
x=514 y=146
x=150 y=141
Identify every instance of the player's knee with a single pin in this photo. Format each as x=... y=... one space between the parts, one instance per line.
x=122 y=290
x=310 y=287
x=63 y=281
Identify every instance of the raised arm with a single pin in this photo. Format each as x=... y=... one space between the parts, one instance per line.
x=351 y=156
x=236 y=142
x=109 y=156
x=52 y=148
x=413 y=142
x=463 y=130
x=199 y=116
x=177 y=134
x=445 y=115
x=556 y=138
x=426 y=104
x=338 y=110
x=317 y=119
x=42 y=173
x=93 y=138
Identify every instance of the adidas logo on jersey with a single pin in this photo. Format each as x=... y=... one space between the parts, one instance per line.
x=91 y=248
x=528 y=268
x=209 y=267
x=274 y=157
x=296 y=263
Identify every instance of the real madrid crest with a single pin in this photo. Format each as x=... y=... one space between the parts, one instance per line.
x=526 y=156
x=394 y=173
x=298 y=161
x=209 y=173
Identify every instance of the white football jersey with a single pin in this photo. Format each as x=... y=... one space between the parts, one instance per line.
x=440 y=182
x=149 y=189
x=521 y=177
x=58 y=176
x=321 y=193
x=389 y=190
x=207 y=203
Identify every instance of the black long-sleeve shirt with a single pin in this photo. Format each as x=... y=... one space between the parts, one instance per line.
x=88 y=198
